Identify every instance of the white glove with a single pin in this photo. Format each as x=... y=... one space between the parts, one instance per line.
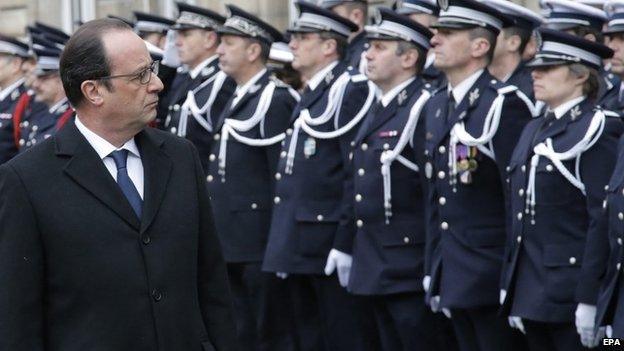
x=516 y=322
x=585 y=318
x=340 y=261
x=426 y=282
x=170 y=54
x=502 y=296
x=281 y=275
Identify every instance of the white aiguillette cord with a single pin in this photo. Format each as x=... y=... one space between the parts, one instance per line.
x=190 y=105
x=334 y=100
x=389 y=156
x=546 y=149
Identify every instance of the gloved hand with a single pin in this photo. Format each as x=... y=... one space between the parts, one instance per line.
x=516 y=322
x=281 y=275
x=502 y=296
x=585 y=318
x=340 y=261
x=426 y=282
x=170 y=54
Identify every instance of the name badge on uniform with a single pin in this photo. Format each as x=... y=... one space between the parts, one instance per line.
x=428 y=170
x=309 y=147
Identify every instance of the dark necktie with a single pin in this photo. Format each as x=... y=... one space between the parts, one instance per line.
x=451 y=105
x=125 y=183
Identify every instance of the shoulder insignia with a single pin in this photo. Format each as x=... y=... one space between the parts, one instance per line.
x=329 y=77
x=278 y=83
x=474 y=96
x=402 y=97
x=575 y=112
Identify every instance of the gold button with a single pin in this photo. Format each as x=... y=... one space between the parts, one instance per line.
x=364 y=147
x=572 y=260
x=441 y=174
x=276 y=200
x=444 y=226
x=442 y=201
x=361 y=172
x=319 y=218
x=359 y=223
x=442 y=149
x=358 y=197
x=278 y=176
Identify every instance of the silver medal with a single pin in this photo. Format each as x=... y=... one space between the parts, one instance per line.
x=309 y=147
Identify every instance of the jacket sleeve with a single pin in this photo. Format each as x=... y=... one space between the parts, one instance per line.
x=214 y=293
x=597 y=165
x=21 y=268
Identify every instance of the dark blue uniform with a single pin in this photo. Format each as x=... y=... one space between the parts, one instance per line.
x=521 y=78
x=433 y=76
x=608 y=89
x=8 y=149
x=39 y=124
x=356 y=48
x=467 y=226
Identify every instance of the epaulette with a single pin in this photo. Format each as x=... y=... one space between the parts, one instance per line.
x=497 y=84
x=359 y=77
x=278 y=83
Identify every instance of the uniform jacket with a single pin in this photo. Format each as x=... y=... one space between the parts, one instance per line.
x=40 y=124
x=355 y=50
x=82 y=272
x=8 y=148
x=243 y=201
x=608 y=89
x=311 y=211
x=542 y=270
x=521 y=77
x=466 y=242
x=388 y=257
x=434 y=77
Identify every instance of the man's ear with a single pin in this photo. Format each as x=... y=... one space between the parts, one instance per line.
x=513 y=43
x=253 y=52
x=409 y=59
x=357 y=16
x=211 y=39
x=480 y=47
x=91 y=90
x=590 y=37
x=329 y=46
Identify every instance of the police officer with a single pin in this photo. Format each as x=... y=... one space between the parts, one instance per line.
x=152 y=28
x=388 y=201
x=507 y=64
x=241 y=176
x=614 y=33
x=12 y=55
x=424 y=12
x=357 y=12
x=586 y=22
x=312 y=226
x=558 y=174
x=472 y=126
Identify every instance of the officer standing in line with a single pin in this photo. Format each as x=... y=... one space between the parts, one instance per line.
x=355 y=11
x=388 y=252
x=152 y=28
x=614 y=36
x=13 y=53
x=196 y=42
x=312 y=225
x=585 y=22
x=241 y=176
x=424 y=12
x=472 y=126
x=507 y=64
x=558 y=174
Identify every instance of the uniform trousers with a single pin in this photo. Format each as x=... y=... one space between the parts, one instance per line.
x=554 y=337
x=262 y=308
x=483 y=329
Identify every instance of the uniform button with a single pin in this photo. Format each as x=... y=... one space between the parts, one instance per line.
x=523 y=169
x=21 y=125
x=217 y=136
x=278 y=176
x=283 y=154
x=442 y=201
x=549 y=168
x=361 y=172
x=519 y=216
x=358 y=197
x=146 y=239
x=359 y=223
x=289 y=131
x=621 y=216
x=508 y=168
x=441 y=174
x=173 y=130
x=607 y=188
x=22 y=142
x=618 y=266
x=28 y=143
x=386 y=146
x=35 y=128
x=364 y=147
x=26 y=123
x=157 y=295
x=406 y=240
x=619 y=241
x=34 y=141
x=276 y=200
x=352 y=143
x=519 y=239
x=209 y=178
x=444 y=226
x=176 y=107
x=254 y=206
x=521 y=192
x=319 y=218
x=350 y=156
x=572 y=260
x=442 y=149
x=212 y=157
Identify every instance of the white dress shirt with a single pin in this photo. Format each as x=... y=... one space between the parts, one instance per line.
x=320 y=75
x=195 y=71
x=462 y=88
x=241 y=90
x=392 y=93
x=104 y=148
x=8 y=90
x=562 y=109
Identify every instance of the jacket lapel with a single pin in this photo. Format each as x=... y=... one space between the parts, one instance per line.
x=560 y=125
x=87 y=169
x=230 y=110
x=310 y=97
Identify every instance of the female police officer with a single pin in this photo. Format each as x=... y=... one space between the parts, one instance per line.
x=557 y=174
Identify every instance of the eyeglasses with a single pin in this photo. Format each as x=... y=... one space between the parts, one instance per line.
x=144 y=76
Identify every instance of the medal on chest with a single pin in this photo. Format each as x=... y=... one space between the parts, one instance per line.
x=309 y=147
x=466 y=162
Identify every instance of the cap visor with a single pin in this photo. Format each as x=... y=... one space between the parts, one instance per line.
x=542 y=62
x=231 y=31
x=453 y=25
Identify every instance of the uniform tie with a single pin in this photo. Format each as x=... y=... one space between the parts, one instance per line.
x=451 y=105
x=125 y=183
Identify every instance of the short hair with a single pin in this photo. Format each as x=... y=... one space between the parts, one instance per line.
x=405 y=46
x=480 y=32
x=341 y=42
x=591 y=85
x=523 y=33
x=84 y=57
x=265 y=48
x=582 y=31
x=362 y=6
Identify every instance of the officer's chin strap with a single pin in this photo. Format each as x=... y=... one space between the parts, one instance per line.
x=235 y=126
x=190 y=105
x=305 y=121
x=546 y=149
x=389 y=156
x=484 y=141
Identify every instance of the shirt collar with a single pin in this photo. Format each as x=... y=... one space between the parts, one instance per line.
x=8 y=90
x=103 y=147
x=318 y=77
x=195 y=71
x=242 y=89
x=462 y=88
x=57 y=106
x=562 y=109
x=392 y=93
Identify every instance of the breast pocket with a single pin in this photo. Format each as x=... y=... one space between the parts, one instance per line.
x=552 y=188
x=316 y=226
x=562 y=264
